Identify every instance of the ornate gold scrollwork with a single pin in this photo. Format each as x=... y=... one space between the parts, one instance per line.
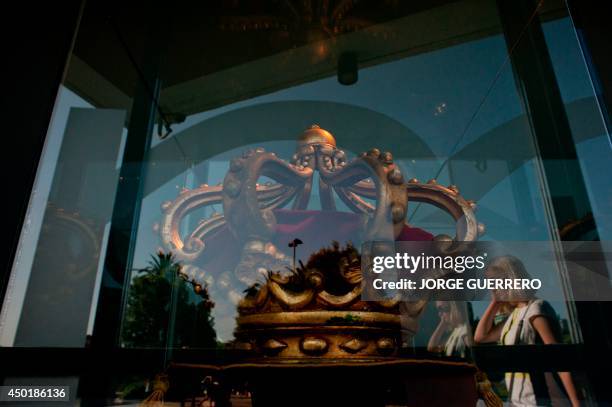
x=371 y=184
x=253 y=223
x=311 y=313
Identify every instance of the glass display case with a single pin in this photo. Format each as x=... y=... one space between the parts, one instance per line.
x=211 y=173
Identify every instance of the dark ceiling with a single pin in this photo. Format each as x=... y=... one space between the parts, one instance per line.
x=210 y=36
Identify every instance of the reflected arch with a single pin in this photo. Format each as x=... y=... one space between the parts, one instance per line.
x=355 y=128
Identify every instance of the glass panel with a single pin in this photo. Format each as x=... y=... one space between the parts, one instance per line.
x=592 y=138
x=52 y=293
x=285 y=138
x=58 y=268
x=440 y=119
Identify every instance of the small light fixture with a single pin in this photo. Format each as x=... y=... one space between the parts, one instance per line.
x=166 y=120
x=348 y=70
x=294 y=244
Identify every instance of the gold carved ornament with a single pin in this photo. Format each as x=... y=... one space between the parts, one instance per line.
x=312 y=323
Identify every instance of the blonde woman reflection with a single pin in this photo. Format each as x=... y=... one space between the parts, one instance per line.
x=528 y=321
x=452 y=335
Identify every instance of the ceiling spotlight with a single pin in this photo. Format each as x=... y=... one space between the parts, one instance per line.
x=165 y=121
x=348 y=71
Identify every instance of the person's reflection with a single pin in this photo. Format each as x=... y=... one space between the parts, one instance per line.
x=528 y=321
x=452 y=335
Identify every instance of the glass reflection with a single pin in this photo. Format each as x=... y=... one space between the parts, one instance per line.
x=452 y=336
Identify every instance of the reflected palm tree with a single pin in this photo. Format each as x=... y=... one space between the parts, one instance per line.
x=164 y=311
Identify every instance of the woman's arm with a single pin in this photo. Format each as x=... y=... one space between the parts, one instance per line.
x=543 y=328
x=435 y=343
x=486 y=332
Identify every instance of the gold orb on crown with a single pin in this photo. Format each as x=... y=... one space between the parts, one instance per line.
x=316 y=135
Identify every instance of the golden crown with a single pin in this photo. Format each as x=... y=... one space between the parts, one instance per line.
x=315 y=311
